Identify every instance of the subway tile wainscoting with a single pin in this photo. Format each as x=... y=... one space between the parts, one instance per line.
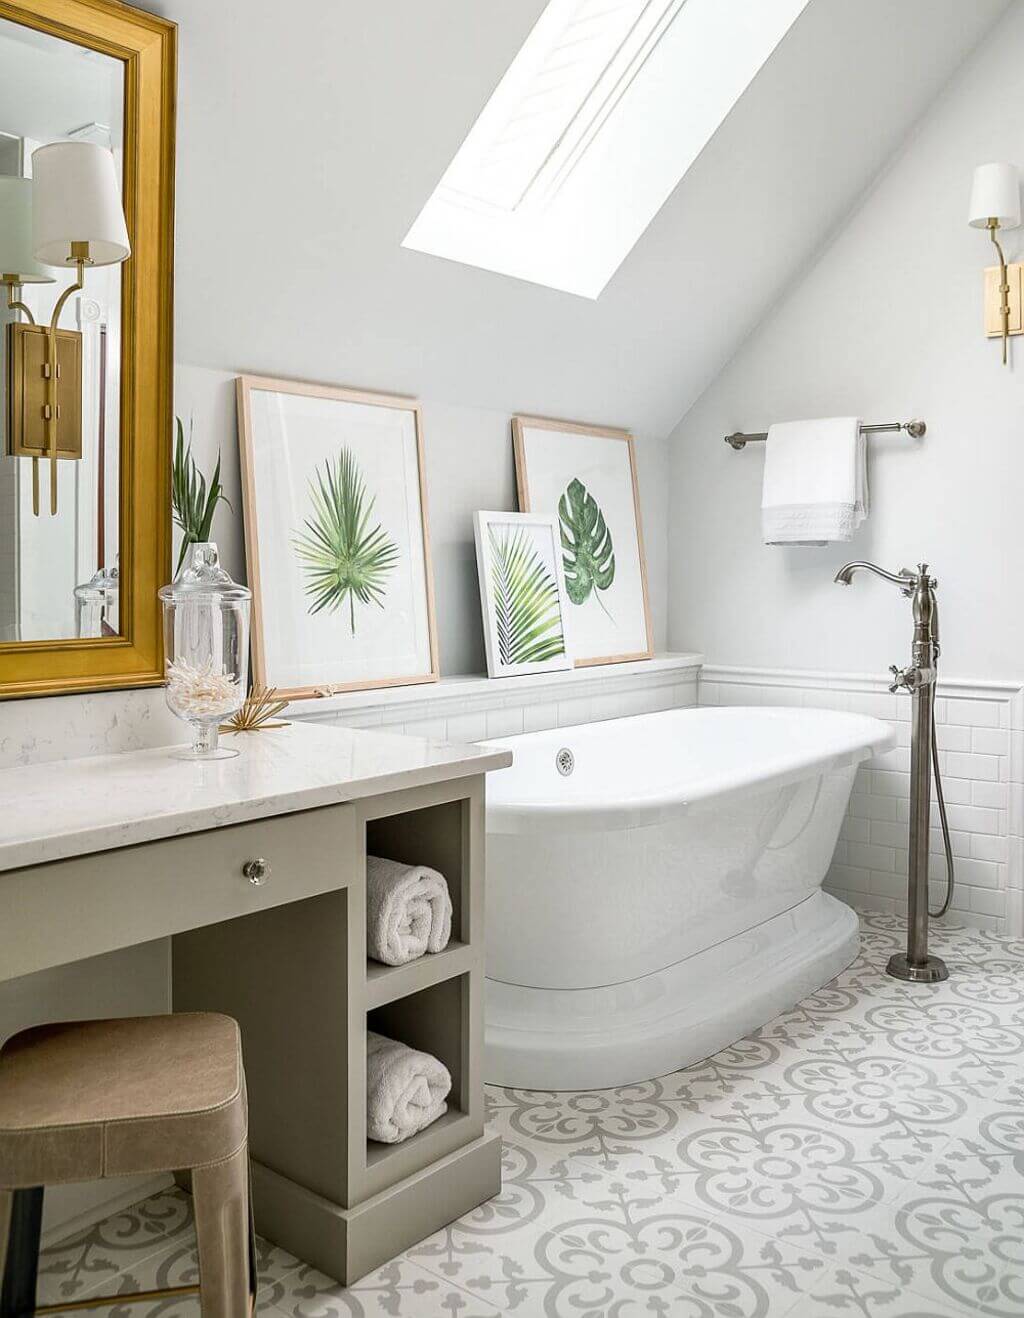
x=981 y=755
x=463 y=709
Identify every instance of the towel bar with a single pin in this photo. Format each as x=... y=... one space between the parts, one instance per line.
x=915 y=429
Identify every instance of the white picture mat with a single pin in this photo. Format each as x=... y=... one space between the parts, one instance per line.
x=290 y=437
x=602 y=463
x=542 y=531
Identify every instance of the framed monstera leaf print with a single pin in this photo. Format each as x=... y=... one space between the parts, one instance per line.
x=336 y=538
x=523 y=593
x=585 y=477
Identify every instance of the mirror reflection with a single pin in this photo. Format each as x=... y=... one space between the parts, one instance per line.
x=62 y=241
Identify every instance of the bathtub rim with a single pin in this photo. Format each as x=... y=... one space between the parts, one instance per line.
x=643 y=811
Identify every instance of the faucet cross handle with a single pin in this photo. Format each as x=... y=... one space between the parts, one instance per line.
x=903 y=678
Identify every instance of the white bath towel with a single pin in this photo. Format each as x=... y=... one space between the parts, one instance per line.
x=405 y=1089
x=815 y=482
x=408 y=911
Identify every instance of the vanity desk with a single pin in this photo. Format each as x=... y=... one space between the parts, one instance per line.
x=255 y=867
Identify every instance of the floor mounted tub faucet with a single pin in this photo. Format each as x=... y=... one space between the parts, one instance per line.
x=919 y=680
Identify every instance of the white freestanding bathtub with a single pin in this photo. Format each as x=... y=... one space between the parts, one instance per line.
x=655 y=894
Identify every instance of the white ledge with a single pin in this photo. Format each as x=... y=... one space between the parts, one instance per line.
x=477 y=692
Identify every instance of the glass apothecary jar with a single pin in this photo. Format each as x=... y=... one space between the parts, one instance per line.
x=96 y=604
x=206 y=648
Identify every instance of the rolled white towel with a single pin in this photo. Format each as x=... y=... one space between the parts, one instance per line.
x=405 y=1089
x=408 y=911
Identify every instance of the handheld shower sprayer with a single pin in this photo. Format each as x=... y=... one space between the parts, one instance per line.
x=919 y=679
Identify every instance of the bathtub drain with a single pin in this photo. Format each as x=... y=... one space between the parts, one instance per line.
x=565 y=762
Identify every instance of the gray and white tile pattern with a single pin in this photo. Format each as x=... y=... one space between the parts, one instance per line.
x=861 y=1155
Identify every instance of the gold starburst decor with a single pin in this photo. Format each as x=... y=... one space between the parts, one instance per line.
x=258 y=712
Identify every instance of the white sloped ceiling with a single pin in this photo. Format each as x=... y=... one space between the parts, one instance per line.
x=311 y=134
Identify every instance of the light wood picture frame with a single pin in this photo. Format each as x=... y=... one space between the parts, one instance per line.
x=585 y=476
x=522 y=593
x=337 y=538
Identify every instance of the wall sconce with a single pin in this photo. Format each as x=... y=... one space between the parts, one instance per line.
x=18 y=266
x=77 y=220
x=995 y=205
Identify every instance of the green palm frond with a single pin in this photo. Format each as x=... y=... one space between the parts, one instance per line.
x=343 y=557
x=192 y=502
x=526 y=605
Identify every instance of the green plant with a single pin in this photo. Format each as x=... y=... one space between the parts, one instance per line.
x=192 y=501
x=342 y=556
x=588 y=553
x=526 y=607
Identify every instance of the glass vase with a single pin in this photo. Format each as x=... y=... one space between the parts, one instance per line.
x=206 y=648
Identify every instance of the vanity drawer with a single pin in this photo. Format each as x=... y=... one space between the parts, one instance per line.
x=52 y=914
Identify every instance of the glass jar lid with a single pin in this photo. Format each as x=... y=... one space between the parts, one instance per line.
x=102 y=585
x=202 y=580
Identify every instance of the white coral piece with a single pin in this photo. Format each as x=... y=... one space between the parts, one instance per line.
x=201 y=691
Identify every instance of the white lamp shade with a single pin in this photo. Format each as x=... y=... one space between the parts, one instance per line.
x=17 y=259
x=995 y=195
x=77 y=199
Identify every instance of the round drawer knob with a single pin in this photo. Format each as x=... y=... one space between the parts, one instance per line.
x=256 y=871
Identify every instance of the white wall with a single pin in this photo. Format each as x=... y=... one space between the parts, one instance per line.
x=886 y=324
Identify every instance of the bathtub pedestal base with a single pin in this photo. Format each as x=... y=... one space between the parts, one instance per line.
x=621 y=1034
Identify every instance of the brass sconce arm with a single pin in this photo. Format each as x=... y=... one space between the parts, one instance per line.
x=1004 y=287
x=13 y=303
x=51 y=373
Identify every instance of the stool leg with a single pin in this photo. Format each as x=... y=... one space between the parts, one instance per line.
x=21 y=1223
x=253 y=1261
x=220 y=1197
x=6 y=1212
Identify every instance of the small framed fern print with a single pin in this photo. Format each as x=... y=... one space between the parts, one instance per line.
x=522 y=593
x=585 y=477
x=336 y=538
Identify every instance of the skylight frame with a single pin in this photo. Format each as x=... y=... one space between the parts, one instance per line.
x=663 y=76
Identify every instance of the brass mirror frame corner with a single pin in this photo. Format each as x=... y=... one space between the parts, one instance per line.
x=147 y=46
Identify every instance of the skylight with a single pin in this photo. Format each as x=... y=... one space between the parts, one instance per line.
x=599 y=116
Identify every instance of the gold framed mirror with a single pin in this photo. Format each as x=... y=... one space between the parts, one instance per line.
x=86 y=272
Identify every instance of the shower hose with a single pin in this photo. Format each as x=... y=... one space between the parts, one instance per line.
x=950 y=882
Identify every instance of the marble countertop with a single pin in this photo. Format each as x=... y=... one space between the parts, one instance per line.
x=75 y=807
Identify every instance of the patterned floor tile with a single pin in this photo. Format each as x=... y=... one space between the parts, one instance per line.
x=861 y=1154
x=732 y=1270
x=627 y=1254
x=491 y=1250
x=174 y=1265
x=89 y=1261
x=400 y=1289
x=842 y=1291
x=177 y=1264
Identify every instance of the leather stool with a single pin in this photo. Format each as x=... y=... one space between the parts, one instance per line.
x=90 y=1099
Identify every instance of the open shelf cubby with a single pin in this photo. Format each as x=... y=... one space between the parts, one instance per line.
x=434 y=835
x=434 y=1020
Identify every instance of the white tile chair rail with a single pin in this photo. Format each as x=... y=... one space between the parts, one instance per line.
x=861 y=1154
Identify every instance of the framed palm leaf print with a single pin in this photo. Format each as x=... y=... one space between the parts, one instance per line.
x=522 y=592
x=585 y=477
x=336 y=538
